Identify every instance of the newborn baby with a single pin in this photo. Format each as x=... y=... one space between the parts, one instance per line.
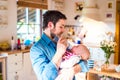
x=73 y=56
x=75 y=53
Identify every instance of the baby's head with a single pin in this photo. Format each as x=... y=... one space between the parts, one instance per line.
x=81 y=50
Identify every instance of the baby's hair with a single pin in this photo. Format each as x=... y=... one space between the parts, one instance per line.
x=81 y=50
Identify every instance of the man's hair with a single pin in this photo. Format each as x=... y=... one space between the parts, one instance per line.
x=52 y=16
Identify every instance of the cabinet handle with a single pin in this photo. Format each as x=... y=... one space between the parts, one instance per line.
x=16 y=63
x=16 y=77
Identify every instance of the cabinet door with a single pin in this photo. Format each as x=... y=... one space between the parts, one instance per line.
x=14 y=58
x=18 y=75
x=27 y=69
x=14 y=62
x=15 y=66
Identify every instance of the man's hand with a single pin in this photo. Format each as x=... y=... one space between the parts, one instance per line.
x=61 y=48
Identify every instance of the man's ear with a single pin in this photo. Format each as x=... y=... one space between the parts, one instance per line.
x=50 y=25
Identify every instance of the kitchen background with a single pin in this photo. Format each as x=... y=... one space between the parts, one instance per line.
x=68 y=9
x=92 y=10
x=103 y=11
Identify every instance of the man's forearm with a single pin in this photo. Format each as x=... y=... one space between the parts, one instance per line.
x=57 y=60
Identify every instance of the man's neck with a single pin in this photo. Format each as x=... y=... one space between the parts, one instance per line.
x=47 y=33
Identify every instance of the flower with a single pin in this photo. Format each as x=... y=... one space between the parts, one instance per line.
x=108 y=47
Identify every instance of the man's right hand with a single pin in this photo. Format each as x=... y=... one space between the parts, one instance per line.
x=61 y=48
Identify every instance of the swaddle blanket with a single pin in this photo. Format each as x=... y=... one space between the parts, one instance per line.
x=69 y=60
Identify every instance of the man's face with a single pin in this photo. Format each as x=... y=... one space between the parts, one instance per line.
x=58 y=29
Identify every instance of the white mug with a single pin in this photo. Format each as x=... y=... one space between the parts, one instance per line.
x=23 y=47
x=117 y=68
x=90 y=63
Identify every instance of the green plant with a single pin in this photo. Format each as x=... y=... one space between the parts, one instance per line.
x=109 y=48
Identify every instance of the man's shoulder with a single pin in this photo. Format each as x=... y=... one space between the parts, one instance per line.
x=38 y=47
x=39 y=43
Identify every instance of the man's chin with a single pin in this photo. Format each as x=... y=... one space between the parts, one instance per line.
x=53 y=35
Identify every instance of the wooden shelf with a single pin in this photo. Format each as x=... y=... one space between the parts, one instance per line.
x=41 y=4
x=92 y=74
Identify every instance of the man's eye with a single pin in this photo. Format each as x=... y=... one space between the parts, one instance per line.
x=61 y=27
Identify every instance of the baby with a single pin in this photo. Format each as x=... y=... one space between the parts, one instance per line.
x=72 y=57
x=74 y=53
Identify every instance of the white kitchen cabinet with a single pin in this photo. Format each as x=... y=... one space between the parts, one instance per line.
x=27 y=69
x=19 y=67
x=16 y=75
x=15 y=66
x=14 y=62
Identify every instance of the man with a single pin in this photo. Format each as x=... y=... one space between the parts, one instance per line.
x=45 y=54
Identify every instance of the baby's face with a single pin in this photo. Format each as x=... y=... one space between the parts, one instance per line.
x=82 y=51
x=85 y=56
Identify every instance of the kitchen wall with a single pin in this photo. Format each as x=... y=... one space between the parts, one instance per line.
x=102 y=6
x=95 y=28
x=9 y=31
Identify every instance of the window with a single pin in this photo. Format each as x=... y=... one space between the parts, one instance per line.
x=29 y=25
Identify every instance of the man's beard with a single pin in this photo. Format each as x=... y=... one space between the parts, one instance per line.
x=53 y=35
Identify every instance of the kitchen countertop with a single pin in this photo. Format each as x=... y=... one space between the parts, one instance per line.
x=28 y=49
x=2 y=57
x=15 y=51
